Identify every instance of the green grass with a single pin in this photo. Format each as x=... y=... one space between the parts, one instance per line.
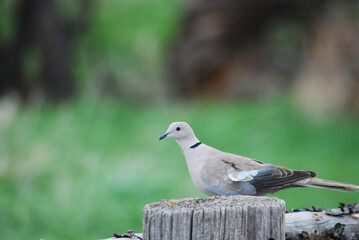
x=85 y=169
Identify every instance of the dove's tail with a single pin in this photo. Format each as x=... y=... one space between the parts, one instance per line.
x=322 y=183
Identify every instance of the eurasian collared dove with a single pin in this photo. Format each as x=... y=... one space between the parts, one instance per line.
x=219 y=173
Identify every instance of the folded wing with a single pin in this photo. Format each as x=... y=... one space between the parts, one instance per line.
x=250 y=178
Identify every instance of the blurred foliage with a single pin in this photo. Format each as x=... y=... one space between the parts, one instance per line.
x=85 y=170
x=124 y=51
x=115 y=47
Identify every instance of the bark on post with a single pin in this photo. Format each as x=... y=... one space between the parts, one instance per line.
x=232 y=217
x=320 y=225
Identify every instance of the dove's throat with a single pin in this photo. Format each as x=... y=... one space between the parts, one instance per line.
x=187 y=143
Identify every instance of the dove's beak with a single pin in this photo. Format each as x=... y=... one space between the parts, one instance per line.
x=164 y=135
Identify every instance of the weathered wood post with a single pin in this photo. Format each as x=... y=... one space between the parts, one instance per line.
x=232 y=217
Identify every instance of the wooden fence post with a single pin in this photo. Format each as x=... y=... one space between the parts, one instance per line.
x=220 y=217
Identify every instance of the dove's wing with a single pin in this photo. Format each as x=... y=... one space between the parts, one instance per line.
x=231 y=174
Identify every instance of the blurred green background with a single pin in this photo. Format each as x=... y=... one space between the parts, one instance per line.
x=80 y=162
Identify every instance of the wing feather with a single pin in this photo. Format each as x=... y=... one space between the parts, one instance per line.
x=273 y=178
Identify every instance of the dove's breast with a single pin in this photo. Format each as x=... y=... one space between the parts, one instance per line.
x=196 y=158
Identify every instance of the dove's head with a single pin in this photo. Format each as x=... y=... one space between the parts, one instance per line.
x=178 y=131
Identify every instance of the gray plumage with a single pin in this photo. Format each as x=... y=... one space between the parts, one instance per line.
x=219 y=173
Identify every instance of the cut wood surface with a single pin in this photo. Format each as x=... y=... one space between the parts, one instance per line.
x=220 y=217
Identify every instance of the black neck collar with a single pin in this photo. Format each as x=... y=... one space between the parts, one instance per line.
x=195 y=145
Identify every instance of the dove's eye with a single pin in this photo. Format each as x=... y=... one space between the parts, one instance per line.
x=178 y=128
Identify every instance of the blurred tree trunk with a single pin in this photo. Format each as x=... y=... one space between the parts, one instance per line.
x=41 y=30
x=41 y=24
x=251 y=48
x=224 y=48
